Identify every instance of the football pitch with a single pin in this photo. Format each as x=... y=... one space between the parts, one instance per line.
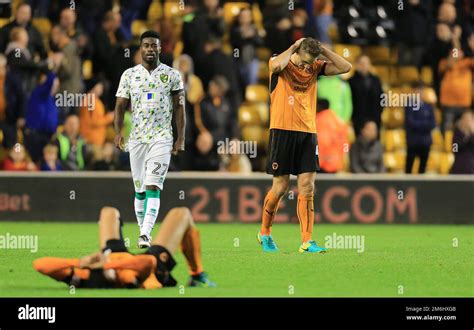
x=396 y=261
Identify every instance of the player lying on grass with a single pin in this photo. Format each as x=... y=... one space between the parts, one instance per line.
x=293 y=140
x=114 y=267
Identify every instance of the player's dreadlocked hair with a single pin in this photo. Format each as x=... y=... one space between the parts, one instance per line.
x=149 y=34
x=311 y=46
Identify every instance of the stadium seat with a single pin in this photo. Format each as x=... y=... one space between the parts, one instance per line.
x=393 y=117
x=448 y=141
x=155 y=11
x=172 y=9
x=394 y=162
x=87 y=69
x=257 y=15
x=394 y=140
x=447 y=160
x=434 y=161
x=383 y=72
x=263 y=112
x=232 y=9
x=438 y=141
x=380 y=54
x=138 y=27
x=333 y=33
x=349 y=52
x=429 y=95
x=4 y=21
x=427 y=75
x=264 y=54
x=407 y=74
x=43 y=25
x=178 y=49
x=253 y=133
x=263 y=71
x=257 y=93
x=248 y=116
x=227 y=48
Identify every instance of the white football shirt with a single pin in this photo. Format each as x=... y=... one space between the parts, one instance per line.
x=150 y=96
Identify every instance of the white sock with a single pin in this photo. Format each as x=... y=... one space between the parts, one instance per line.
x=151 y=213
x=139 y=205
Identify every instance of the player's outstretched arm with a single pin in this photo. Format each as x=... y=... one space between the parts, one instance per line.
x=338 y=64
x=281 y=61
x=120 y=107
x=179 y=100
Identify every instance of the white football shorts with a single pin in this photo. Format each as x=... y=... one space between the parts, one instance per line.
x=149 y=164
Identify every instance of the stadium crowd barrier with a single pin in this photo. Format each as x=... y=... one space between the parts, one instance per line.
x=224 y=198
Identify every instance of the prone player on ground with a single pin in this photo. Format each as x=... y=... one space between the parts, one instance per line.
x=154 y=91
x=293 y=140
x=114 y=267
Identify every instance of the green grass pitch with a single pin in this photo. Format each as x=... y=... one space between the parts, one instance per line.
x=398 y=261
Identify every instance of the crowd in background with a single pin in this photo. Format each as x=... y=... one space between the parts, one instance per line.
x=42 y=128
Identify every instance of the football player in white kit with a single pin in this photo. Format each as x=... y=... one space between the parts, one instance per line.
x=154 y=91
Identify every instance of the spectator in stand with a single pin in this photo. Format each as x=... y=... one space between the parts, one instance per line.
x=456 y=85
x=109 y=59
x=21 y=61
x=447 y=32
x=195 y=31
x=192 y=84
x=41 y=116
x=412 y=42
x=106 y=158
x=68 y=21
x=93 y=117
x=215 y=62
x=419 y=122
x=214 y=17
x=333 y=142
x=278 y=25
x=463 y=145
x=215 y=121
x=18 y=160
x=132 y=10
x=323 y=11
x=338 y=92
x=12 y=102
x=245 y=38
x=194 y=95
x=50 y=160
x=366 y=153
x=366 y=90
x=70 y=67
x=73 y=151
x=301 y=27
x=168 y=40
x=23 y=20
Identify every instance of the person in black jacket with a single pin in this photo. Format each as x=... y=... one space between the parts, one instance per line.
x=23 y=19
x=366 y=153
x=463 y=145
x=245 y=38
x=15 y=103
x=214 y=122
x=366 y=90
x=412 y=42
x=214 y=62
x=418 y=125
